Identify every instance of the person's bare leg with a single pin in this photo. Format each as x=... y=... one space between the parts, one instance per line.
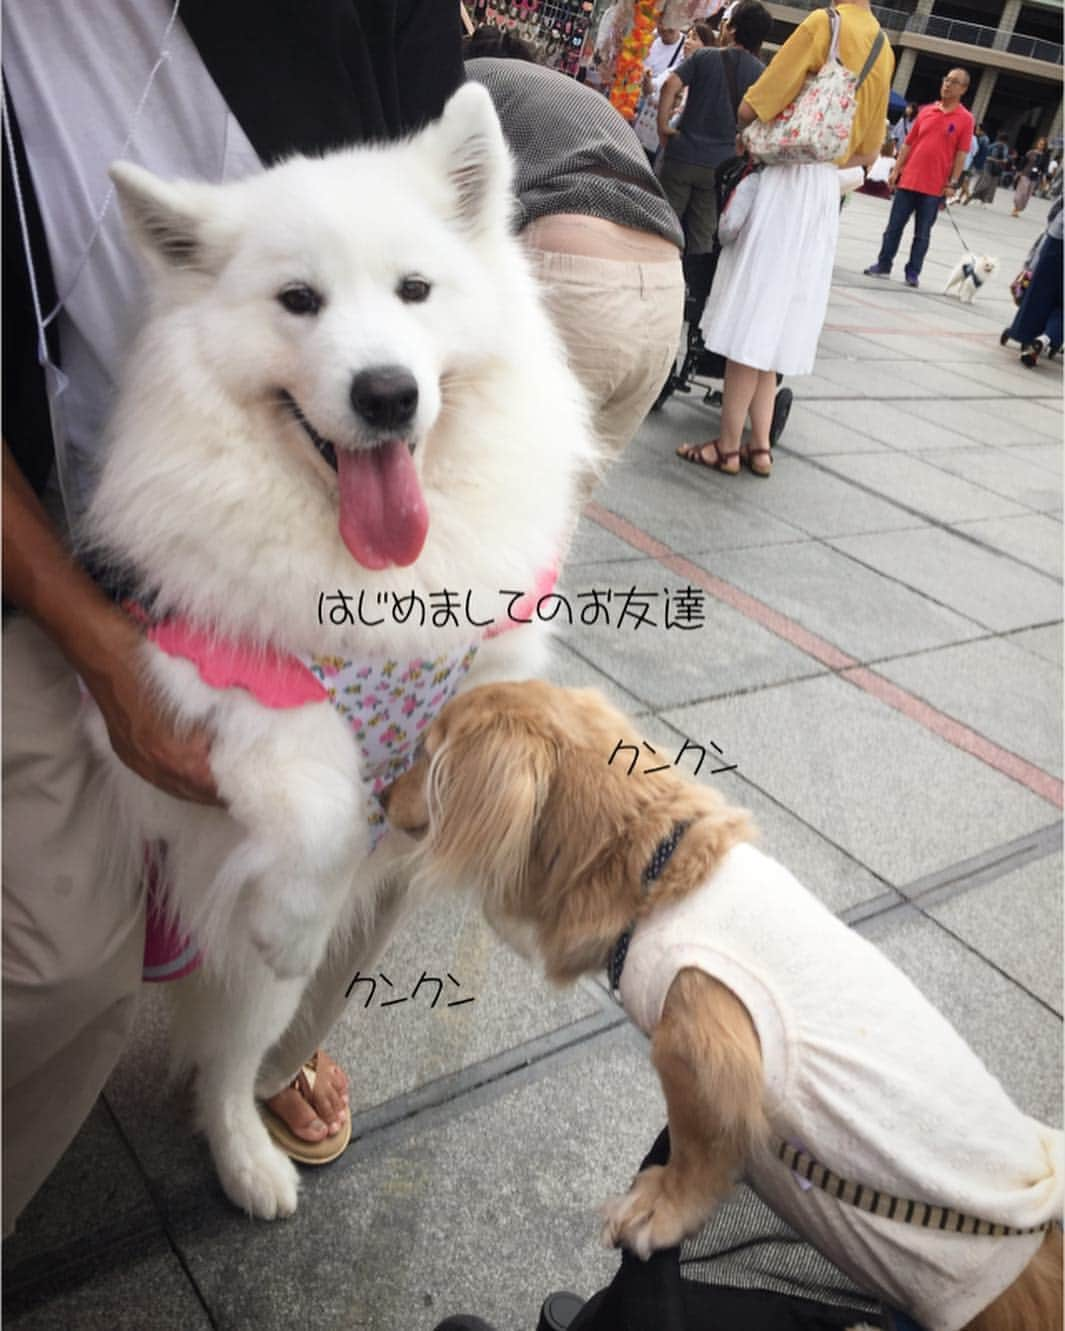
x=741 y=385
x=761 y=414
x=322 y=1111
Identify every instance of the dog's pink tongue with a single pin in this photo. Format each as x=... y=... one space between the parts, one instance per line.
x=383 y=516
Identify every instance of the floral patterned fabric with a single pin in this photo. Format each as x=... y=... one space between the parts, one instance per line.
x=388 y=705
x=816 y=126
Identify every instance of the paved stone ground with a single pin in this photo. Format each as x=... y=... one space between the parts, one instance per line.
x=881 y=659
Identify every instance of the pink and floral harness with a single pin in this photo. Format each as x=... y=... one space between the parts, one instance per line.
x=387 y=703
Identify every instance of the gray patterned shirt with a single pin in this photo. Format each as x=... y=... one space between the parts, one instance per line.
x=574 y=153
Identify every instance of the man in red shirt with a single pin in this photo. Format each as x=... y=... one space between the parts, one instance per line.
x=929 y=164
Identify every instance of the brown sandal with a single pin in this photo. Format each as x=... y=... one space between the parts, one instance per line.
x=694 y=453
x=762 y=474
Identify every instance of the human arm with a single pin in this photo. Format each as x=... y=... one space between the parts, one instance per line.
x=900 y=162
x=101 y=643
x=956 y=170
x=667 y=100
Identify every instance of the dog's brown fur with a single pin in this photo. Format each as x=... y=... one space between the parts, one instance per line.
x=516 y=795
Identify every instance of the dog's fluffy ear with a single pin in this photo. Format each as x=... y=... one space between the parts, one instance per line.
x=467 y=142
x=172 y=222
x=485 y=799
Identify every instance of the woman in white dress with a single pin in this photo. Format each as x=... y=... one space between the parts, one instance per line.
x=772 y=284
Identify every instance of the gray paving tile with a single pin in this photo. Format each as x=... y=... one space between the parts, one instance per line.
x=487 y=1210
x=912 y=481
x=689 y=508
x=568 y=668
x=887 y=423
x=1045 y=642
x=898 y=799
x=413 y=1044
x=1038 y=419
x=65 y=1213
x=811 y=432
x=1048 y=455
x=861 y=612
x=1033 y=538
x=1009 y=377
x=819 y=385
x=872 y=380
x=1016 y=923
x=1018 y=1039
x=848 y=346
x=803 y=494
x=969 y=420
x=998 y=689
x=593 y=544
x=145 y=1292
x=999 y=471
x=978 y=583
x=666 y=668
x=830 y=873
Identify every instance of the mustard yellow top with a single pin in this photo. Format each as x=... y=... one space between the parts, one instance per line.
x=806 y=50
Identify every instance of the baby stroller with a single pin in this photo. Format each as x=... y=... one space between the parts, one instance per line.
x=745 y=1271
x=698 y=361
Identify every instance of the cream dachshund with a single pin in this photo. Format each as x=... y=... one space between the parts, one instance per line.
x=789 y=1049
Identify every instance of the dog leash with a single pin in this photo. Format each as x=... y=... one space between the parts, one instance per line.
x=876 y=1202
x=965 y=245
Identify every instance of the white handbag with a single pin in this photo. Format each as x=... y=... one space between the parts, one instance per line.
x=816 y=126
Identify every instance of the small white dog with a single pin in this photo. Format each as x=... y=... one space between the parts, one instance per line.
x=969 y=275
x=345 y=387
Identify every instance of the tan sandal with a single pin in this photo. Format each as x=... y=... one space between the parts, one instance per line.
x=322 y=1152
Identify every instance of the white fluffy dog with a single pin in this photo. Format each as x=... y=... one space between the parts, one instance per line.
x=969 y=275
x=344 y=384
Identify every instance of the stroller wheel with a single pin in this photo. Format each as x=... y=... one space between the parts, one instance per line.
x=1005 y=337
x=781 y=412
x=559 y=1310
x=713 y=397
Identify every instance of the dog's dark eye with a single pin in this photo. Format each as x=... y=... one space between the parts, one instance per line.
x=413 y=290
x=300 y=300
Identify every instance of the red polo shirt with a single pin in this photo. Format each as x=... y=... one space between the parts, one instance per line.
x=934 y=139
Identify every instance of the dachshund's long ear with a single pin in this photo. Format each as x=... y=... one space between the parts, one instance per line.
x=486 y=793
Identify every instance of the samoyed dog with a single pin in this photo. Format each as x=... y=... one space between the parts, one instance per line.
x=345 y=405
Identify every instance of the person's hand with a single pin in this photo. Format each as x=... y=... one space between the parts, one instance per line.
x=647 y=86
x=664 y=135
x=143 y=736
x=893 y=177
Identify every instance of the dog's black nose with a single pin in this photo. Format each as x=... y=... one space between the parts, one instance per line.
x=386 y=396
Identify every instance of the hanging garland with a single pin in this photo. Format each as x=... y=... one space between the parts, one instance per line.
x=625 y=94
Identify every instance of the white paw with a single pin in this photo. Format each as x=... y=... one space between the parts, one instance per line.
x=647 y=1218
x=258 y=1178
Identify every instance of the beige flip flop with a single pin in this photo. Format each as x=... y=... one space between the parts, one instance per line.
x=322 y=1152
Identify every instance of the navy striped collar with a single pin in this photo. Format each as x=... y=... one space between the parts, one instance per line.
x=663 y=853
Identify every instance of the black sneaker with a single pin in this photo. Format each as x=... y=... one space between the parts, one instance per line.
x=1031 y=353
x=875 y=270
x=912 y=280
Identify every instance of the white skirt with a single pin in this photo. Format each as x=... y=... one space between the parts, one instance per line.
x=771 y=288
